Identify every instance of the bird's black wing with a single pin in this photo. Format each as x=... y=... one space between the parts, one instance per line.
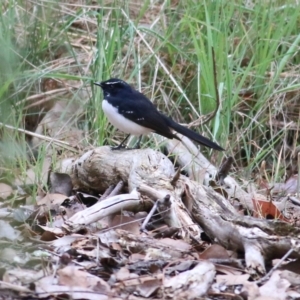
x=140 y=110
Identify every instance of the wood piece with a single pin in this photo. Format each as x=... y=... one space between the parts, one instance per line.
x=152 y=173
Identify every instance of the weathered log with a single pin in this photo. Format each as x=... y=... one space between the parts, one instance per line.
x=153 y=174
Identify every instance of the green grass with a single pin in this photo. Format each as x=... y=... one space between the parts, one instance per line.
x=166 y=51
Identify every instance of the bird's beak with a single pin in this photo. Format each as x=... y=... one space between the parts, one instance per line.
x=98 y=83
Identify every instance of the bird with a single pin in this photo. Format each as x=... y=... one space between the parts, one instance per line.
x=133 y=113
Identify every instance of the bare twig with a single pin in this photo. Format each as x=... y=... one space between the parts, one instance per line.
x=176 y=176
x=268 y=275
x=163 y=206
x=40 y=136
x=188 y=199
x=149 y=216
x=102 y=209
x=117 y=189
x=224 y=170
x=107 y=192
x=294 y=200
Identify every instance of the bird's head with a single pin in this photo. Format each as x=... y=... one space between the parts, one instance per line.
x=113 y=86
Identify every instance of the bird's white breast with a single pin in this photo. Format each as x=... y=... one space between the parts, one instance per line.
x=121 y=122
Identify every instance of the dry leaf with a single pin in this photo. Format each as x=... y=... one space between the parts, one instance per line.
x=123 y=274
x=74 y=277
x=5 y=191
x=276 y=286
x=61 y=183
x=51 y=233
x=267 y=209
x=126 y=223
x=176 y=244
x=49 y=287
x=8 y=232
x=291 y=277
x=214 y=251
x=52 y=200
x=149 y=287
x=232 y=279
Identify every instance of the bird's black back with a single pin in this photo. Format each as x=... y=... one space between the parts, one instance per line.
x=135 y=106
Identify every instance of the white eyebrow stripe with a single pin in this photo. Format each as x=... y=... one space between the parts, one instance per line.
x=113 y=82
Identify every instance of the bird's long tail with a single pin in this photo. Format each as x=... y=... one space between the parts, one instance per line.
x=192 y=135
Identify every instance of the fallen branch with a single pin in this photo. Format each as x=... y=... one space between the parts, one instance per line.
x=152 y=173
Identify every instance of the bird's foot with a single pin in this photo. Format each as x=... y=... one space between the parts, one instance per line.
x=119 y=147
x=123 y=148
x=138 y=146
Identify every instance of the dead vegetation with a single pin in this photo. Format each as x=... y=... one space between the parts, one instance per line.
x=85 y=222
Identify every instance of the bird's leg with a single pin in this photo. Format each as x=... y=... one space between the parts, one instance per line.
x=137 y=145
x=121 y=146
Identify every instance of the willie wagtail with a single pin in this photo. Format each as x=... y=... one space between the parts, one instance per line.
x=133 y=113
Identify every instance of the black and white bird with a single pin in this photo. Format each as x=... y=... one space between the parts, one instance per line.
x=133 y=113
